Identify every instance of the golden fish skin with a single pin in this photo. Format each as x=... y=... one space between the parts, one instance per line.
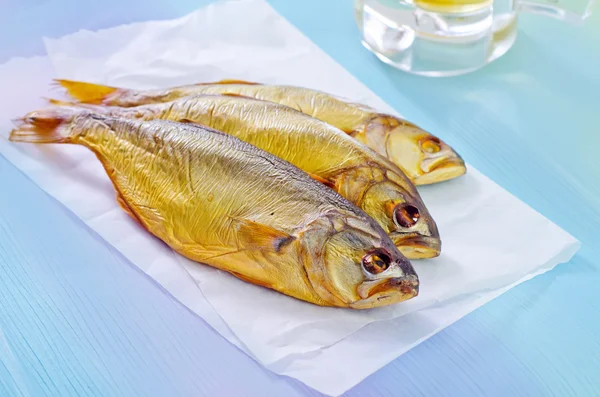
x=358 y=173
x=424 y=158
x=225 y=203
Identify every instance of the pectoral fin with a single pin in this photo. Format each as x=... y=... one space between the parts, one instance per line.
x=324 y=181
x=253 y=235
x=234 y=81
x=251 y=280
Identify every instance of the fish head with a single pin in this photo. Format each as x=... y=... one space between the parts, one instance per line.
x=356 y=265
x=422 y=156
x=393 y=201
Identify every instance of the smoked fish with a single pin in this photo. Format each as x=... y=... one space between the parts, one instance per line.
x=359 y=174
x=225 y=203
x=423 y=157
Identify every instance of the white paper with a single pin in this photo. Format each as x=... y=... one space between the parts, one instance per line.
x=483 y=254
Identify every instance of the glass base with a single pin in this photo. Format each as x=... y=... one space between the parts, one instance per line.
x=435 y=44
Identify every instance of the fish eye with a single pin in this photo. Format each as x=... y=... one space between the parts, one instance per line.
x=376 y=261
x=431 y=145
x=406 y=215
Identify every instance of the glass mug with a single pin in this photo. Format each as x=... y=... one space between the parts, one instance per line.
x=450 y=37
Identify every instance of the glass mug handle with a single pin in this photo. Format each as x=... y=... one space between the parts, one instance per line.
x=572 y=11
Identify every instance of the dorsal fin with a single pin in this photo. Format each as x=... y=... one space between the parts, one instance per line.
x=234 y=81
x=230 y=81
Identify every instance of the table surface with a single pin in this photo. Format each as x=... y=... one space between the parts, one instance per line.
x=78 y=319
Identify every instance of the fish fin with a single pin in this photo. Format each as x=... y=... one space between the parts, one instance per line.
x=59 y=102
x=186 y=121
x=254 y=235
x=251 y=280
x=325 y=182
x=125 y=207
x=87 y=92
x=49 y=125
x=258 y=276
x=231 y=81
x=233 y=94
x=120 y=198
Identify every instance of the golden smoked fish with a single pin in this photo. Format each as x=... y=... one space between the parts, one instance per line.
x=424 y=158
x=359 y=174
x=223 y=202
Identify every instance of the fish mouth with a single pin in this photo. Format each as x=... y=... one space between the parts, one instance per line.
x=440 y=170
x=417 y=246
x=386 y=292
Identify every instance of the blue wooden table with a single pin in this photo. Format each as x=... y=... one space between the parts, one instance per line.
x=76 y=319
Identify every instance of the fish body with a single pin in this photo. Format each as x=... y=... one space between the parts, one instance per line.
x=359 y=174
x=423 y=157
x=223 y=202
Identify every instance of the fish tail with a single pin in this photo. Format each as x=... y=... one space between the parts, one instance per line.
x=87 y=92
x=51 y=125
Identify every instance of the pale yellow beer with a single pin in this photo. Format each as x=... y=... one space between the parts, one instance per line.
x=453 y=6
